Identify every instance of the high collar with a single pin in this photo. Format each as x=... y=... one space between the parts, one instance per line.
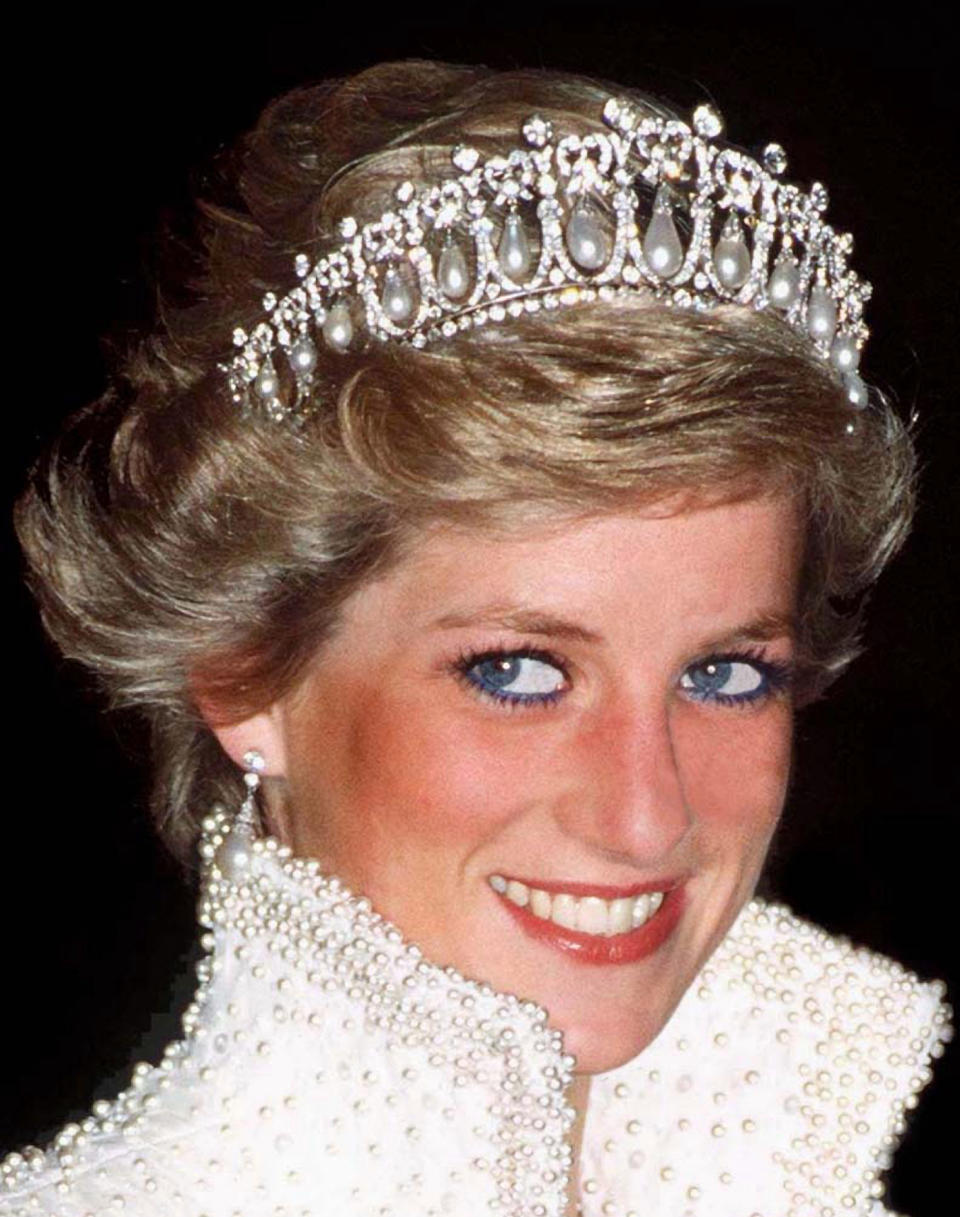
x=482 y=1046
x=326 y=1066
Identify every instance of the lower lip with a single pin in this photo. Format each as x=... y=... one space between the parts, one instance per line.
x=593 y=948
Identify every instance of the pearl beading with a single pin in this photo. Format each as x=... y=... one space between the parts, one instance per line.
x=784 y=1079
x=327 y=1067
x=458 y=254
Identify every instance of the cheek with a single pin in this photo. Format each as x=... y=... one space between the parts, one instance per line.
x=735 y=769
x=415 y=776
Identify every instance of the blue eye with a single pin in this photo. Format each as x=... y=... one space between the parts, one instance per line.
x=519 y=677
x=734 y=680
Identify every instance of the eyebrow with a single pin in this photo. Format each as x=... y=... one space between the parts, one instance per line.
x=531 y=621
x=521 y=621
x=762 y=629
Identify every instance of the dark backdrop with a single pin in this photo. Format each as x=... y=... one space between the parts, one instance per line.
x=107 y=133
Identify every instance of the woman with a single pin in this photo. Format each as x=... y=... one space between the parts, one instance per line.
x=496 y=556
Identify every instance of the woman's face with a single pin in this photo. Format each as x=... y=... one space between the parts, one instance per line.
x=555 y=760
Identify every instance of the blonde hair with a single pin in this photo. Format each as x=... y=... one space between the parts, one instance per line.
x=174 y=545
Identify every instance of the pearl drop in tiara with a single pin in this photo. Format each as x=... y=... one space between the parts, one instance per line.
x=561 y=221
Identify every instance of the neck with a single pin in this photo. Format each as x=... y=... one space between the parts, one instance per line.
x=578 y=1094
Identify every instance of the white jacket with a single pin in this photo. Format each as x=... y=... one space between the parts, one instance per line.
x=326 y=1068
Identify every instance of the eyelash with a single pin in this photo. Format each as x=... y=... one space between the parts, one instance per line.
x=777 y=676
x=468 y=660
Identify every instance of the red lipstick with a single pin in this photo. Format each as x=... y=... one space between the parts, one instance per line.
x=594 y=948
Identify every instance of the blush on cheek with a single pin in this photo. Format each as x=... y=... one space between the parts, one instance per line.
x=737 y=767
x=432 y=776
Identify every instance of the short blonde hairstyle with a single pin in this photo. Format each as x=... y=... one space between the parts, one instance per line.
x=174 y=545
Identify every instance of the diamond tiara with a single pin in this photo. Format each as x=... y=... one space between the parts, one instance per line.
x=465 y=251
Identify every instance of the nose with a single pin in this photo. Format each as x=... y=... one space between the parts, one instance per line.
x=627 y=800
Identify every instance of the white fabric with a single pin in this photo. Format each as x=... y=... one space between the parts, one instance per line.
x=326 y=1069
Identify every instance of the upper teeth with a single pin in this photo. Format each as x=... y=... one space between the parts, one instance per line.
x=589 y=914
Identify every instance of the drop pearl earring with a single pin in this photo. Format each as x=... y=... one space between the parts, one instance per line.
x=234 y=855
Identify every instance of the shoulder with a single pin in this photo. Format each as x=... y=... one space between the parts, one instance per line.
x=784 y=1079
x=851 y=1035
x=136 y=1154
x=860 y=1010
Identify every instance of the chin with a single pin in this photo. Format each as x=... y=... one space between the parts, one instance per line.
x=598 y=1047
x=597 y=1053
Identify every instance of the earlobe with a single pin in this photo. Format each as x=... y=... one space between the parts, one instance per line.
x=261 y=736
x=260 y=732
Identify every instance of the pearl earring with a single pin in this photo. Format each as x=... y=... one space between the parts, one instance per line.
x=234 y=854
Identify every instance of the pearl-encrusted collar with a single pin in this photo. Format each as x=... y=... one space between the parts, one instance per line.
x=327 y=1067
x=474 y=1035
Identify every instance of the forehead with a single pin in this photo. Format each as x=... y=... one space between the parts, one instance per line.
x=702 y=564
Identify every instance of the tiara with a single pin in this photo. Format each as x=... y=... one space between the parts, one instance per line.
x=560 y=221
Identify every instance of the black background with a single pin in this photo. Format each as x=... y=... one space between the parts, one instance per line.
x=107 y=133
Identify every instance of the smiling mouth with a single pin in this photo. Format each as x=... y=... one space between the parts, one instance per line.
x=621 y=926
x=586 y=914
